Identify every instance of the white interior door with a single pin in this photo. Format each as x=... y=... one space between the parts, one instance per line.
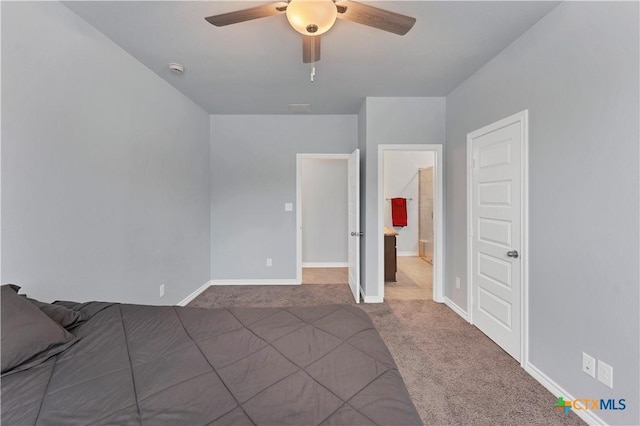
x=354 y=223
x=496 y=237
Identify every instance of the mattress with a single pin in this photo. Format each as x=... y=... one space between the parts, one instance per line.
x=134 y=364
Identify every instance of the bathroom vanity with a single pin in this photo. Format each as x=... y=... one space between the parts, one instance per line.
x=390 y=255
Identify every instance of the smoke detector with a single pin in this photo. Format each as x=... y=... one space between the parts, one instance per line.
x=176 y=68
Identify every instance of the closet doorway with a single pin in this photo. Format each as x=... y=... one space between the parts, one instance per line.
x=410 y=222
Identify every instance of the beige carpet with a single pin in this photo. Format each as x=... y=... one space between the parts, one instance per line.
x=454 y=373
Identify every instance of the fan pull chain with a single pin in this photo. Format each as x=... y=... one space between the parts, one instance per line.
x=313 y=59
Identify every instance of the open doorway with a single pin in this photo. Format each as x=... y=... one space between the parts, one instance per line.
x=409 y=217
x=332 y=185
x=323 y=222
x=408 y=224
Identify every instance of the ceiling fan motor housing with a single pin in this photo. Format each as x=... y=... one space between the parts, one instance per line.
x=312 y=17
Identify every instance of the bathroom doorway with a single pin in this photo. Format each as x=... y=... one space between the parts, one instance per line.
x=408 y=179
x=410 y=245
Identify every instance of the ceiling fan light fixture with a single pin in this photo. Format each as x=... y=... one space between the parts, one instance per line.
x=312 y=17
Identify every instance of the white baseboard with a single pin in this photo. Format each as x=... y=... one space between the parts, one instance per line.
x=195 y=294
x=455 y=308
x=407 y=254
x=586 y=415
x=288 y=281
x=325 y=264
x=371 y=299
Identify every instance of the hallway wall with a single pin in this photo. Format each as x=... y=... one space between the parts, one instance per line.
x=325 y=226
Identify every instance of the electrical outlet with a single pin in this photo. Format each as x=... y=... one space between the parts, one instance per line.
x=605 y=373
x=589 y=365
x=269 y=261
x=288 y=207
x=458 y=283
x=162 y=290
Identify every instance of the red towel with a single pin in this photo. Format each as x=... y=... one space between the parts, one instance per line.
x=399 y=211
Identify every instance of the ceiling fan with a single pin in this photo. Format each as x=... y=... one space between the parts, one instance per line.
x=311 y=18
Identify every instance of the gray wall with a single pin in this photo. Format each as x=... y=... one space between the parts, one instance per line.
x=253 y=174
x=576 y=71
x=325 y=224
x=104 y=167
x=393 y=121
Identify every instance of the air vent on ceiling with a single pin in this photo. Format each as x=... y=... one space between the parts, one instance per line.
x=299 y=107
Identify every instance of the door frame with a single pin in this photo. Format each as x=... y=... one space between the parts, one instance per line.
x=521 y=117
x=299 y=158
x=438 y=216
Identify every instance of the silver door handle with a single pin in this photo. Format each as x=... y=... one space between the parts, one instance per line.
x=357 y=234
x=513 y=253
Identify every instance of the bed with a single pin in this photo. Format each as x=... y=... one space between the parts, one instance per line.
x=122 y=364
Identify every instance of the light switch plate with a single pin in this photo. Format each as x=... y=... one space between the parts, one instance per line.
x=589 y=365
x=288 y=207
x=605 y=373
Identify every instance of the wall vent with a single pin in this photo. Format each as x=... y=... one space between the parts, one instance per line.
x=299 y=108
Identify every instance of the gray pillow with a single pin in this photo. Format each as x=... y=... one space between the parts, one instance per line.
x=61 y=314
x=29 y=337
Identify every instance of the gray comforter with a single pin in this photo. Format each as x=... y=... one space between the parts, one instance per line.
x=172 y=365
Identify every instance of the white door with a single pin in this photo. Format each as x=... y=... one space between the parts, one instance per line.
x=354 y=223
x=496 y=236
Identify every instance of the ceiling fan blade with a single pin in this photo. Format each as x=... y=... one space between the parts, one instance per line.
x=247 y=14
x=374 y=17
x=310 y=49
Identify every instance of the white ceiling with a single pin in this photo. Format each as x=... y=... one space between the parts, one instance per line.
x=256 y=67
